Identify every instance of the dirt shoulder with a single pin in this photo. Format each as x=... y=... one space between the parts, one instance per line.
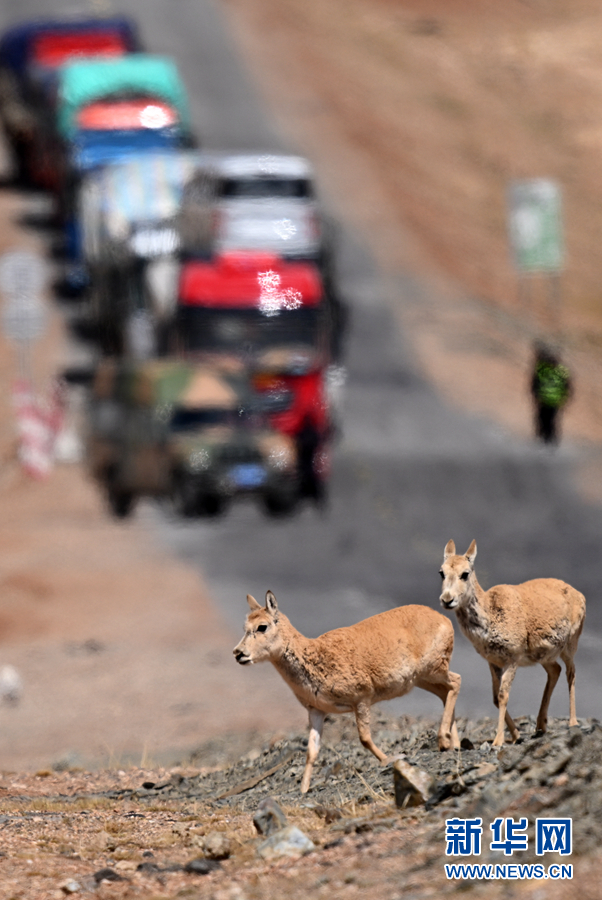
x=122 y=653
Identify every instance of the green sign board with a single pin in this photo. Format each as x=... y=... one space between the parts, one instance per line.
x=535 y=220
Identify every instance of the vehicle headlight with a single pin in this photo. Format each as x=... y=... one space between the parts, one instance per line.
x=281 y=458
x=199 y=460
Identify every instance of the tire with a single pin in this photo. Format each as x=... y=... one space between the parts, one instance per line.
x=185 y=497
x=121 y=503
x=280 y=503
x=211 y=505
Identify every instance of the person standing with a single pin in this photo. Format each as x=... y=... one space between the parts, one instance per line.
x=551 y=388
x=309 y=442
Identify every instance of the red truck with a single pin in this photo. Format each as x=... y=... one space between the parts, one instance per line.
x=274 y=318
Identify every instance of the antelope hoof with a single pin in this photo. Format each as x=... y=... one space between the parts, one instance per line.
x=445 y=741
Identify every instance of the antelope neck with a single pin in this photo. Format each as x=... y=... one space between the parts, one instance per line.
x=473 y=612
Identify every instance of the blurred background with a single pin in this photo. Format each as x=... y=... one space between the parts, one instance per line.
x=268 y=332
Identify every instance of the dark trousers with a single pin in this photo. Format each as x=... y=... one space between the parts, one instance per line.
x=546 y=423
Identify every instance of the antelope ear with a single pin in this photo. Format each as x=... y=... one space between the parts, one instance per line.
x=450 y=550
x=471 y=553
x=270 y=603
x=253 y=604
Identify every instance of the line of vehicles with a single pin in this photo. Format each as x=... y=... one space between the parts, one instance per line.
x=207 y=278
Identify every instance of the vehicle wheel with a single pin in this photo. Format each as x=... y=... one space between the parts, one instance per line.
x=211 y=505
x=185 y=497
x=121 y=503
x=280 y=503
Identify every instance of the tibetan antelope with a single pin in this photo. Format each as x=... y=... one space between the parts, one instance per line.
x=515 y=625
x=349 y=669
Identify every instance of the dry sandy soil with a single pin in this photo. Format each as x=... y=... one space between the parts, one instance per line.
x=417 y=115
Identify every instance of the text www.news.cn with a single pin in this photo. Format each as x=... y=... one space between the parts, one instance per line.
x=513 y=871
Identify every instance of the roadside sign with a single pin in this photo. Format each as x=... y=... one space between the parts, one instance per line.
x=535 y=224
x=24 y=321
x=22 y=275
x=22 y=279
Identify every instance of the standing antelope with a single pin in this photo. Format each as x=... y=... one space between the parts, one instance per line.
x=515 y=625
x=349 y=669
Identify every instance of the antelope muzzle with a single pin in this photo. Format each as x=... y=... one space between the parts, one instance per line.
x=241 y=657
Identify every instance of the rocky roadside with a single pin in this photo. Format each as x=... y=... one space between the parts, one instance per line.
x=236 y=829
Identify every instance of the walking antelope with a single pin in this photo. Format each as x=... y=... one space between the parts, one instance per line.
x=349 y=669
x=515 y=625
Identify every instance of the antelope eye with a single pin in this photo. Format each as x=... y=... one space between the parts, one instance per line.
x=262 y=628
x=464 y=576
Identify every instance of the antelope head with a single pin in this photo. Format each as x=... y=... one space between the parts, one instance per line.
x=261 y=638
x=457 y=573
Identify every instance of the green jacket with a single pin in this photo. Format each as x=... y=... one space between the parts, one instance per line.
x=551 y=384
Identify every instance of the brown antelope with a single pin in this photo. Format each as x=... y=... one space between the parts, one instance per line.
x=349 y=669
x=515 y=625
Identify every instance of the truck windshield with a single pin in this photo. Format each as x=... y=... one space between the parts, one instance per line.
x=189 y=419
x=92 y=146
x=260 y=188
x=249 y=330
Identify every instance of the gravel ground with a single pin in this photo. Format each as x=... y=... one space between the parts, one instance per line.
x=188 y=831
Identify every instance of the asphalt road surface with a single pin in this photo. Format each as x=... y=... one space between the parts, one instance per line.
x=408 y=472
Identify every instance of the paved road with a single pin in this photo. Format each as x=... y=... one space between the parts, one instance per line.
x=408 y=473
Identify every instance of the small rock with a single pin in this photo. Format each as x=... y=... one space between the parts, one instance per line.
x=232 y=892
x=413 y=786
x=483 y=771
x=126 y=865
x=107 y=875
x=289 y=842
x=71 y=887
x=485 y=747
x=466 y=744
x=216 y=845
x=201 y=866
x=67 y=763
x=557 y=764
x=11 y=686
x=329 y=814
x=510 y=757
x=542 y=750
x=148 y=868
x=329 y=844
x=252 y=755
x=269 y=817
